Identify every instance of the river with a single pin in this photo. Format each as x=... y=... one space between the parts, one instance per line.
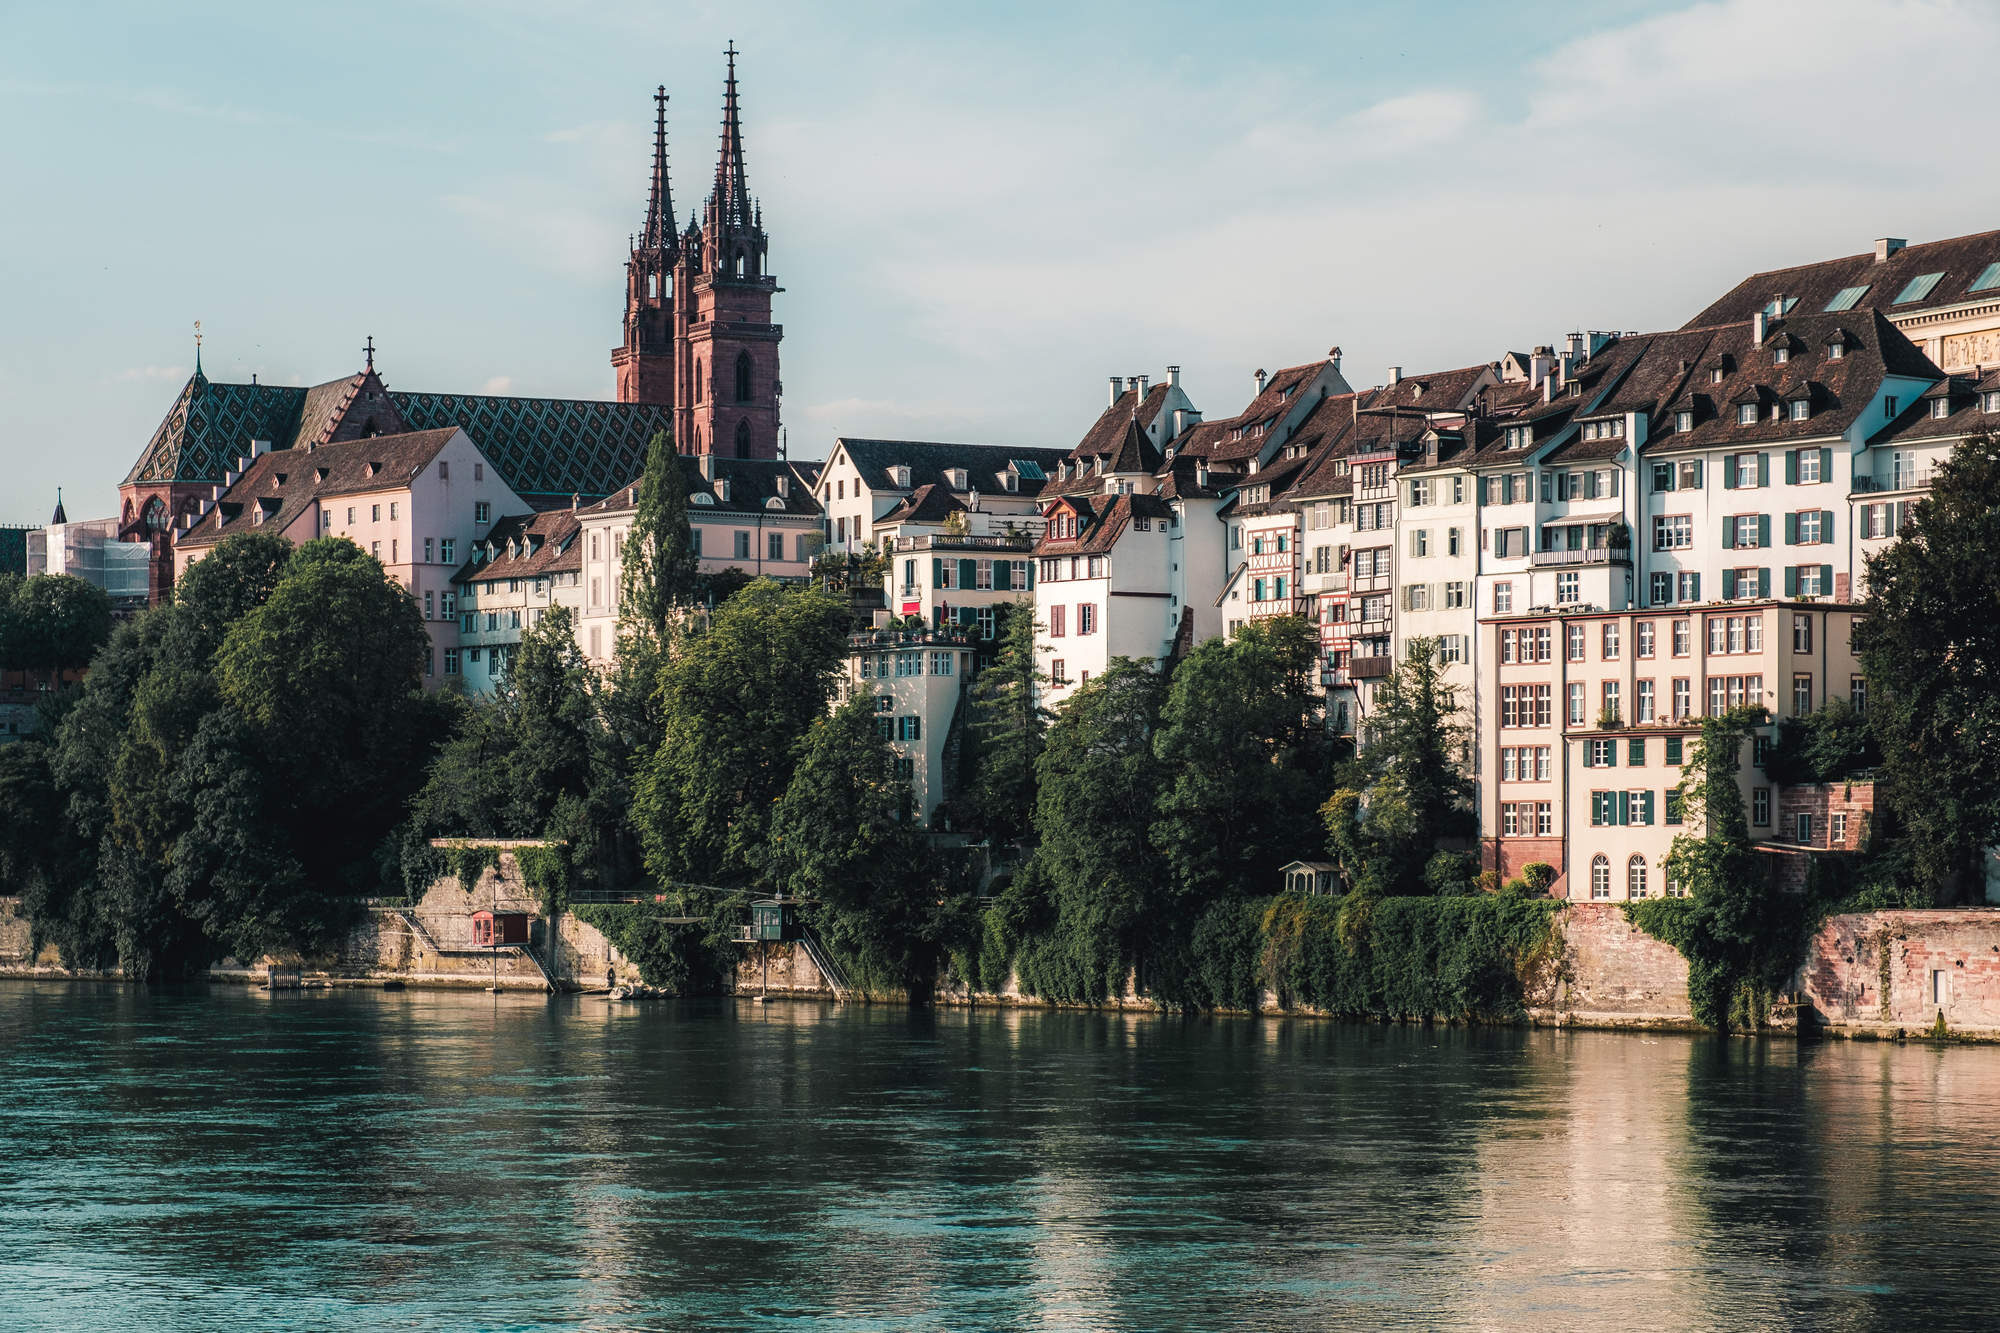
x=230 y=1159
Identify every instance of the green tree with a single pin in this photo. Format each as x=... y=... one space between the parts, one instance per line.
x=1406 y=791
x=844 y=836
x=1826 y=746
x=1008 y=729
x=660 y=565
x=1246 y=759
x=736 y=698
x=55 y=623
x=1929 y=643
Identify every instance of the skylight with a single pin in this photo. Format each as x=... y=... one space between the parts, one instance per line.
x=1918 y=288
x=1771 y=306
x=1029 y=469
x=1989 y=277
x=1847 y=298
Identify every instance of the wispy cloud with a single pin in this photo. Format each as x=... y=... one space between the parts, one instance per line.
x=499 y=384
x=137 y=374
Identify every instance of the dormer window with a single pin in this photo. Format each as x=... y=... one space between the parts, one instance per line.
x=1941 y=407
x=1836 y=350
x=1746 y=414
x=702 y=498
x=784 y=484
x=955 y=478
x=1683 y=422
x=1010 y=480
x=722 y=489
x=1989 y=402
x=899 y=475
x=1801 y=408
x=1715 y=375
x=1518 y=436
x=774 y=503
x=1780 y=354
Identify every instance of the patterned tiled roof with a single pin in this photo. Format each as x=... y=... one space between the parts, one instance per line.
x=540 y=446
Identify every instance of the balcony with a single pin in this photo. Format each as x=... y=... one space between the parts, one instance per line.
x=1370 y=668
x=1914 y=480
x=928 y=637
x=1589 y=555
x=946 y=542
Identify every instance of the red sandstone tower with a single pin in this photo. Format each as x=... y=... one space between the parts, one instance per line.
x=645 y=360
x=726 y=388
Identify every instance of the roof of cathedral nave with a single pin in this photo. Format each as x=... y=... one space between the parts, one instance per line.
x=542 y=447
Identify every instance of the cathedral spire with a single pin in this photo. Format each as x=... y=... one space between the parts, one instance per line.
x=659 y=233
x=731 y=202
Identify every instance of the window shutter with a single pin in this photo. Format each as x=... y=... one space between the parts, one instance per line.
x=1763 y=530
x=1728 y=534
x=1763 y=469
x=1636 y=751
x=1826 y=525
x=937 y=571
x=1826 y=580
x=1728 y=585
x=1646 y=805
x=1764 y=581
x=1699 y=465
x=1791 y=580
x=1003 y=575
x=968 y=573
x=1791 y=467
x=1624 y=807
x=1729 y=472
x=1791 y=529
x=1826 y=465
x=1029 y=567
x=1611 y=755
x=1597 y=807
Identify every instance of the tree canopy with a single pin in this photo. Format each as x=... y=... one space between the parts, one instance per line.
x=660 y=566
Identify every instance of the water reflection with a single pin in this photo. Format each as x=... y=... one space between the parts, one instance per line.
x=232 y=1159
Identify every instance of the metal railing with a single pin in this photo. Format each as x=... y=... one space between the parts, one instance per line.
x=947 y=542
x=1895 y=481
x=1589 y=555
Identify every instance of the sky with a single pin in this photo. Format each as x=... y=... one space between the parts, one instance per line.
x=977 y=212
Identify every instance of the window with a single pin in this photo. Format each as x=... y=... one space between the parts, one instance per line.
x=1573 y=642
x=1989 y=278
x=1545 y=643
x=1057 y=617
x=1808 y=466
x=482 y=512
x=1836 y=350
x=1810 y=580
x=429 y=601
x=1086 y=617
x=1802 y=826
x=1801 y=408
x=775 y=545
x=1643 y=639
x=1674 y=750
x=1857 y=693
x=909 y=728
x=1452 y=541
x=1610 y=641
x=451 y=661
x=1610 y=700
x=1662 y=587
x=1746 y=414
x=1847 y=298
x=1600 y=877
x=1940 y=408
x=1917 y=288
x=1673 y=532
x=1802 y=694
x=1688 y=589
x=1837 y=834
x=1057 y=675
x=1635 y=877
x=1643 y=704
x=1683 y=697
x=1454 y=595
x=1416 y=597
x=1577 y=703
x=1808 y=527
x=941 y=663
x=1760 y=807
x=1569 y=587
x=1601 y=754
x=1748 y=470
x=985 y=619
x=1503 y=599
x=1420 y=542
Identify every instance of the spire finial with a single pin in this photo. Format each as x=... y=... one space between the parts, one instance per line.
x=197 y=347
x=368 y=349
x=659 y=232
x=731 y=202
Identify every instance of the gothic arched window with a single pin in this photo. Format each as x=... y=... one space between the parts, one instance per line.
x=742 y=439
x=743 y=377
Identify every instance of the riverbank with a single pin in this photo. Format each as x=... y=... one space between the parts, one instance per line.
x=1883 y=975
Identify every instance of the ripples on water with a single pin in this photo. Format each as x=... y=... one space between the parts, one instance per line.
x=238 y=1160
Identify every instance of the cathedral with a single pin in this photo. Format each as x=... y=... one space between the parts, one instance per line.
x=698 y=358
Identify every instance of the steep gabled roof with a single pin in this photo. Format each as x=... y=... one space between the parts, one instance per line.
x=1962 y=260
x=752 y=486
x=281 y=485
x=525 y=546
x=1965 y=411
x=929 y=460
x=1104 y=522
x=929 y=503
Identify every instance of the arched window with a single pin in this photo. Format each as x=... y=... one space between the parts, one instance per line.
x=738 y=267
x=653 y=285
x=756 y=263
x=742 y=439
x=1600 y=876
x=1635 y=877
x=697 y=379
x=743 y=377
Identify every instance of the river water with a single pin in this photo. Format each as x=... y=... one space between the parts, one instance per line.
x=230 y=1159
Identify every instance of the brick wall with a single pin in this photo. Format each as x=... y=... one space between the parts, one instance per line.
x=1876 y=972
x=1616 y=973
x=1508 y=855
x=1854 y=801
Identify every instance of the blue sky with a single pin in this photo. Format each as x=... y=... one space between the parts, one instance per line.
x=977 y=212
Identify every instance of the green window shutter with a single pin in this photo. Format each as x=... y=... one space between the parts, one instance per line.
x=1826 y=465
x=968 y=573
x=1673 y=749
x=1791 y=467
x=1624 y=807
x=1826 y=525
x=937 y=572
x=1763 y=469
x=1826 y=580
x=1699 y=465
x=1003 y=571
x=1029 y=565
x=1635 y=751
x=1646 y=802
x=1728 y=534
x=1729 y=472
x=1596 y=808
x=1728 y=585
x=1764 y=581
x=1791 y=529
x=1611 y=755
x=1791 y=580
x=1763 y=530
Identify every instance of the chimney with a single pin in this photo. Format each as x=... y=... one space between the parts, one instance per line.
x=1145 y=385
x=1333 y=357
x=707 y=464
x=1888 y=245
x=1395 y=376
x=1117 y=387
x=1760 y=328
x=1541 y=363
x=1260 y=380
x=1132 y=383
x=258 y=448
x=1573 y=346
x=574 y=501
x=1174 y=376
